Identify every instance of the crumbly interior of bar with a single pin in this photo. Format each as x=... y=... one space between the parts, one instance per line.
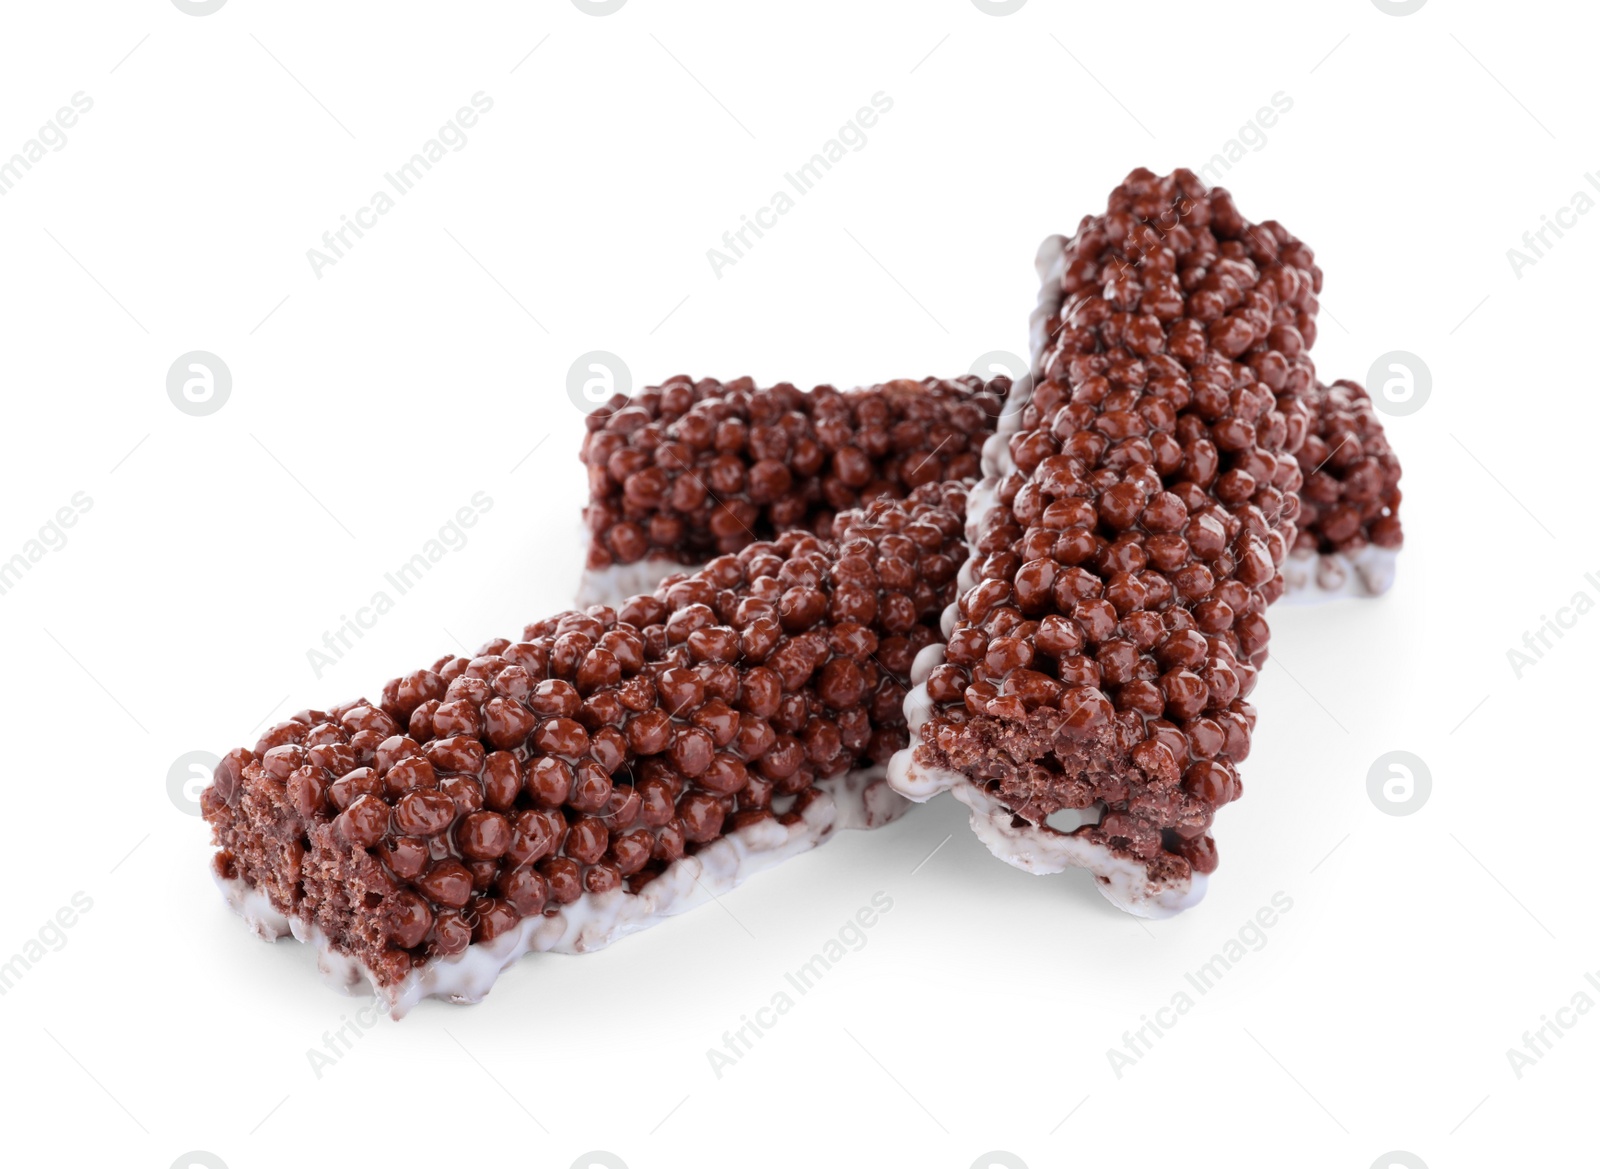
x=1037 y=766
x=308 y=872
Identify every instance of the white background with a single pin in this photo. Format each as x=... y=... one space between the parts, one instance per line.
x=372 y=402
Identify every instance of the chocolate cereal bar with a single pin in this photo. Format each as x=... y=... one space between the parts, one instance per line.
x=688 y=470
x=1349 y=527
x=1090 y=702
x=1350 y=502
x=610 y=768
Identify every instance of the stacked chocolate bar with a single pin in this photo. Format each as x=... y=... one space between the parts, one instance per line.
x=1090 y=703
x=689 y=469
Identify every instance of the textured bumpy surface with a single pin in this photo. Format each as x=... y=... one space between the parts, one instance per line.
x=1350 y=501
x=686 y=470
x=1127 y=541
x=608 y=755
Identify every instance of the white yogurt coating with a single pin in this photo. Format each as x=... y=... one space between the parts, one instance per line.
x=612 y=586
x=857 y=799
x=1051 y=264
x=1044 y=848
x=1310 y=578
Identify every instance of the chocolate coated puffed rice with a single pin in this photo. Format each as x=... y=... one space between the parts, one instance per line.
x=593 y=753
x=686 y=470
x=1101 y=658
x=1351 y=495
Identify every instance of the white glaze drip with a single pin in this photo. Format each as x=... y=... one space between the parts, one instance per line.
x=612 y=586
x=1043 y=848
x=857 y=799
x=1310 y=578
